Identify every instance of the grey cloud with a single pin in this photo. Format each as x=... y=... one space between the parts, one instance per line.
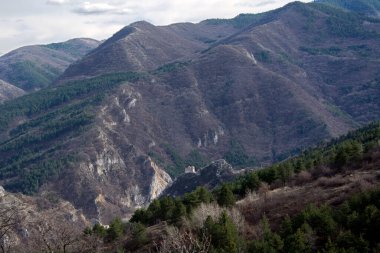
x=257 y=4
x=82 y=11
x=264 y=3
x=56 y=2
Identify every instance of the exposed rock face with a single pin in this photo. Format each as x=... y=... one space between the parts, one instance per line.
x=114 y=177
x=2 y=192
x=116 y=185
x=159 y=182
x=8 y=91
x=210 y=176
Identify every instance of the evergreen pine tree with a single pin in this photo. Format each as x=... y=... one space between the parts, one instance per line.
x=226 y=197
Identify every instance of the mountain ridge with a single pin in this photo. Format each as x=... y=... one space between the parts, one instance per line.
x=366 y=7
x=34 y=67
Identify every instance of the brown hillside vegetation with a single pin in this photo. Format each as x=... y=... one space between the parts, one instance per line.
x=321 y=186
x=9 y=91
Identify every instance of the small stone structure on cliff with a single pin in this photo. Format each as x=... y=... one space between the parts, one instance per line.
x=190 y=169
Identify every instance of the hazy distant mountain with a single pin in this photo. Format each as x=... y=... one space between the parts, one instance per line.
x=35 y=67
x=9 y=91
x=152 y=100
x=367 y=7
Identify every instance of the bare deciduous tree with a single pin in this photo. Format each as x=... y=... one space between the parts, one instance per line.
x=204 y=210
x=213 y=210
x=90 y=244
x=11 y=216
x=52 y=233
x=303 y=177
x=263 y=190
x=50 y=237
x=183 y=242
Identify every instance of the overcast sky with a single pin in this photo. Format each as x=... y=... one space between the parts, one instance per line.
x=27 y=22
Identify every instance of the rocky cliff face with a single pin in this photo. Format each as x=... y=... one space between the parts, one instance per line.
x=118 y=174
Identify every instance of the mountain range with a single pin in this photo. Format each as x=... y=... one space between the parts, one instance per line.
x=34 y=67
x=123 y=121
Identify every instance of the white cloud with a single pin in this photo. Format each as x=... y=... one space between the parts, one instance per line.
x=98 y=8
x=94 y=8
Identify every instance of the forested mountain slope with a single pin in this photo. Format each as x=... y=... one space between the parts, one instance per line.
x=366 y=7
x=34 y=67
x=326 y=199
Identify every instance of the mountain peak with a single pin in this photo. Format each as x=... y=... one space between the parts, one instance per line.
x=88 y=41
x=142 y=24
